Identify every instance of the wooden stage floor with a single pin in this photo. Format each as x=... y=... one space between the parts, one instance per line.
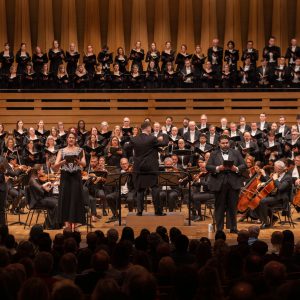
x=195 y=231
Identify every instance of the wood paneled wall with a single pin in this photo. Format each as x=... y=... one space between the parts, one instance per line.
x=122 y=22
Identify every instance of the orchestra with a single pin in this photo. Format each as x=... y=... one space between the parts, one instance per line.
x=152 y=68
x=249 y=163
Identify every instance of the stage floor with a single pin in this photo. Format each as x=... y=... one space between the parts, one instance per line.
x=195 y=231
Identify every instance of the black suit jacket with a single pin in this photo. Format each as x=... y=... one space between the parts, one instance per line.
x=187 y=136
x=216 y=139
x=216 y=178
x=146 y=158
x=180 y=131
x=253 y=146
x=36 y=192
x=284 y=187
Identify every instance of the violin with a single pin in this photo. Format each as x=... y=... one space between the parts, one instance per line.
x=196 y=177
x=49 y=177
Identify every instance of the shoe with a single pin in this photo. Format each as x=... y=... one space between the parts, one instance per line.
x=139 y=213
x=235 y=231
x=264 y=226
x=274 y=220
x=160 y=214
x=105 y=213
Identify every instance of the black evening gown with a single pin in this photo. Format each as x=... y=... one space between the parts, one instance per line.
x=71 y=199
x=72 y=62
x=22 y=61
x=122 y=62
x=6 y=62
x=39 y=61
x=90 y=63
x=56 y=59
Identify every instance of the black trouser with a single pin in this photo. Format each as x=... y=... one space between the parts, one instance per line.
x=50 y=203
x=114 y=201
x=226 y=201
x=264 y=209
x=16 y=196
x=155 y=199
x=199 y=198
x=3 y=196
x=169 y=198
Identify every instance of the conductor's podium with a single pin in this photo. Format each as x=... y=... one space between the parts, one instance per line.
x=150 y=221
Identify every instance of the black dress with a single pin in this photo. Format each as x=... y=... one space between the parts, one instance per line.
x=6 y=62
x=81 y=82
x=122 y=62
x=137 y=58
x=45 y=80
x=63 y=82
x=71 y=199
x=56 y=59
x=105 y=58
x=38 y=62
x=167 y=57
x=72 y=61
x=90 y=63
x=155 y=56
x=22 y=61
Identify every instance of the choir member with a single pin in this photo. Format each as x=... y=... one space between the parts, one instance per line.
x=215 y=55
x=231 y=56
x=104 y=132
x=92 y=147
x=295 y=74
x=250 y=53
x=51 y=149
x=243 y=126
x=101 y=80
x=281 y=74
x=263 y=74
x=208 y=76
x=227 y=77
x=247 y=74
x=117 y=132
x=292 y=52
x=19 y=133
x=39 y=59
x=181 y=57
x=22 y=59
x=29 y=77
x=248 y=147
x=135 y=80
x=9 y=147
x=122 y=60
x=71 y=58
x=3 y=135
x=62 y=78
x=45 y=78
x=117 y=77
x=31 y=154
x=113 y=152
x=56 y=56
x=13 y=80
x=198 y=60
x=282 y=127
x=167 y=55
x=187 y=74
x=169 y=79
x=105 y=58
x=6 y=59
x=81 y=133
x=137 y=56
x=90 y=61
x=271 y=52
x=152 y=75
x=81 y=78
x=153 y=55
x=41 y=132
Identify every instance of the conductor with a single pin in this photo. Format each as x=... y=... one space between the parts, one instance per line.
x=145 y=147
x=225 y=166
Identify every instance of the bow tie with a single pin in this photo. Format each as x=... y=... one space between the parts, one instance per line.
x=225 y=152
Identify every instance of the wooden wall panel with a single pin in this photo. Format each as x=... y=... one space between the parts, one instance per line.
x=3 y=26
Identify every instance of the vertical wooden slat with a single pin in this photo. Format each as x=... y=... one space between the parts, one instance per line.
x=280 y=24
x=22 y=25
x=139 y=30
x=45 y=30
x=3 y=26
x=233 y=23
x=92 y=31
x=186 y=25
x=115 y=35
x=68 y=24
x=162 y=23
x=208 y=23
x=256 y=28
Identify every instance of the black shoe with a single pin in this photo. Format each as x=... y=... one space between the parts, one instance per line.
x=160 y=214
x=234 y=231
x=264 y=226
x=139 y=213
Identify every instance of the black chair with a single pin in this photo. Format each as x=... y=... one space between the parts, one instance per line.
x=35 y=209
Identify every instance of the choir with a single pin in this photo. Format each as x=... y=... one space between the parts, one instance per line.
x=225 y=68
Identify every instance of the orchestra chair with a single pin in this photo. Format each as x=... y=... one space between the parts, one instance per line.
x=283 y=209
x=31 y=211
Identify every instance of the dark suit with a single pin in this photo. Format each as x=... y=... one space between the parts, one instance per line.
x=187 y=137
x=282 y=196
x=286 y=130
x=247 y=128
x=216 y=139
x=226 y=186
x=254 y=150
x=146 y=161
x=180 y=131
x=267 y=126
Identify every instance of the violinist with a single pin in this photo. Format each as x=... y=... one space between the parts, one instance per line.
x=200 y=191
x=169 y=194
x=128 y=192
x=279 y=196
x=15 y=195
x=41 y=195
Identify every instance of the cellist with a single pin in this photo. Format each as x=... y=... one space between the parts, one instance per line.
x=280 y=195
